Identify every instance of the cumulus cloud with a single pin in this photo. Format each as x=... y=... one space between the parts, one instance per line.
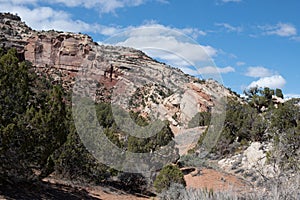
x=276 y=81
x=168 y=44
x=208 y=70
x=215 y=70
x=258 y=72
x=267 y=77
x=47 y=18
x=280 y=29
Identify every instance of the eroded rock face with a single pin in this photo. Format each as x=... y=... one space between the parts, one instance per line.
x=115 y=72
x=60 y=50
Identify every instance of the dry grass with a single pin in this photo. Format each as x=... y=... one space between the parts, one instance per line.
x=279 y=188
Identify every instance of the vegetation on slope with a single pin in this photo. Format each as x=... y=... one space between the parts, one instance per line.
x=38 y=135
x=33 y=121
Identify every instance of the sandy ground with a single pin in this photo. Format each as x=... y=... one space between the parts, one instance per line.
x=218 y=181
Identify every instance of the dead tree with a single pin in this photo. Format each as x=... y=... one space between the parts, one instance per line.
x=109 y=70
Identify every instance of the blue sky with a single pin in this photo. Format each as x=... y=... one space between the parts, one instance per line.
x=252 y=42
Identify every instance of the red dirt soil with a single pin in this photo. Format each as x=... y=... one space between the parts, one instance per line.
x=218 y=181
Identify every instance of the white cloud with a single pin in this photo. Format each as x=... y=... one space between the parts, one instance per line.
x=103 y=6
x=215 y=70
x=240 y=63
x=46 y=18
x=163 y=1
x=222 y=2
x=169 y=44
x=296 y=38
x=258 y=72
x=267 y=77
x=193 y=32
x=280 y=29
x=275 y=81
x=290 y=96
x=19 y=2
x=208 y=70
x=230 y=28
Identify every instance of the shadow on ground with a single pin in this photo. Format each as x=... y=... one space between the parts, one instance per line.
x=43 y=190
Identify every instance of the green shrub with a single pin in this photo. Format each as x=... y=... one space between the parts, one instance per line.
x=32 y=120
x=168 y=175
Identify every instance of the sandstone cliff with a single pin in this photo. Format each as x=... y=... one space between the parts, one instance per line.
x=123 y=75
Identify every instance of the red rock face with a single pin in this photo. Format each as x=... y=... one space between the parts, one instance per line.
x=199 y=91
x=63 y=51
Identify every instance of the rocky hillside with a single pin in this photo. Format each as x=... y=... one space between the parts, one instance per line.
x=125 y=76
x=258 y=147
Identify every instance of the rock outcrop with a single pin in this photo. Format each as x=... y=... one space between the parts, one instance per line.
x=124 y=76
x=250 y=164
